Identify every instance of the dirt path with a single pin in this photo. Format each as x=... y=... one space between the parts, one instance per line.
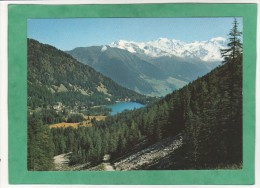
x=107 y=164
x=135 y=161
x=61 y=162
x=108 y=167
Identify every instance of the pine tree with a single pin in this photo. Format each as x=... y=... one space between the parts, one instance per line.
x=235 y=48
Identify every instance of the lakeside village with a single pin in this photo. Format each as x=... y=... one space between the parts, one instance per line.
x=60 y=115
x=59 y=107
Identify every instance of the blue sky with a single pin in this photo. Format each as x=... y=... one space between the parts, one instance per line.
x=66 y=34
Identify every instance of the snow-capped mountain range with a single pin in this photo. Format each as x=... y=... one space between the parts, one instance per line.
x=205 y=50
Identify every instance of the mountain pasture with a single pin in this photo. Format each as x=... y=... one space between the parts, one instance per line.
x=86 y=123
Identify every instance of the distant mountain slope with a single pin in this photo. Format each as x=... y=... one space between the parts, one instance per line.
x=155 y=67
x=120 y=65
x=54 y=76
x=181 y=68
x=150 y=76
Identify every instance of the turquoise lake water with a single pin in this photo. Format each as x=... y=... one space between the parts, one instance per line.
x=121 y=106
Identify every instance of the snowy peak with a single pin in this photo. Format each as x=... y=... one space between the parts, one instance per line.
x=205 y=50
x=218 y=39
x=125 y=45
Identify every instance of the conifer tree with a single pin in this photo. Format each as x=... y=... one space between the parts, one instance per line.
x=235 y=48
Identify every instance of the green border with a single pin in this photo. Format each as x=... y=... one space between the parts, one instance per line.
x=18 y=15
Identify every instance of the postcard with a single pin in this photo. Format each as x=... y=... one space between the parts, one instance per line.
x=132 y=94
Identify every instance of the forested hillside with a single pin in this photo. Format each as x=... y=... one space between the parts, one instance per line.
x=54 y=76
x=207 y=112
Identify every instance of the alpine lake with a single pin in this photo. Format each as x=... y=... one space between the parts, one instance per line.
x=121 y=106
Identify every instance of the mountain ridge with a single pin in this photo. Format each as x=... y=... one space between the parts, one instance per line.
x=204 y=50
